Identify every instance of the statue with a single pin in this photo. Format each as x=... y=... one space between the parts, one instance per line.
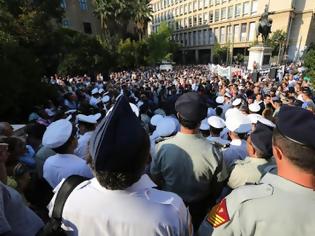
x=263 y=27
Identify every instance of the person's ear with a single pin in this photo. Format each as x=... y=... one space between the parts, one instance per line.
x=277 y=152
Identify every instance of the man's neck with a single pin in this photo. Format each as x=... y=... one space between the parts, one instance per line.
x=296 y=175
x=185 y=130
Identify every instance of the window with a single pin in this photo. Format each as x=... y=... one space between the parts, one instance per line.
x=200 y=4
x=246 y=8
x=210 y=17
x=211 y=2
x=238 y=8
x=236 y=33
x=223 y=13
x=63 y=4
x=224 y=1
x=254 y=6
x=206 y=3
x=205 y=37
x=195 y=42
x=205 y=18
x=87 y=27
x=190 y=21
x=252 y=29
x=217 y=2
x=230 y=12
x=65 y=23
x=222 y=34
x=195 y=5
x=190 y=8
x=200 y=19
x=243 y=32
x=216 y=35
x=211 y=38
x=83 y=4
x=216 y=15
x=229 y=33
x=189 y=39
x=186 y=8
x=195 y=21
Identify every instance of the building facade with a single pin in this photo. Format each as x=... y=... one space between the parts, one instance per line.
x=199 y=24
x=79 y=16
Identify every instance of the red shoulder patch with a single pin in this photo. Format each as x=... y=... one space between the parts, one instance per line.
x=218 y=215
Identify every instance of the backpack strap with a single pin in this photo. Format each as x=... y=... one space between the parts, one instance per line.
x=65 y=190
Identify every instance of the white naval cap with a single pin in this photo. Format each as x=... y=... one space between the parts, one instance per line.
x=156 y=119
x=254 y=107
x=105 y=99
x=238 y=123
x=266 y=122
x=87 y=119
x=254 y=118
x=216 y=122
x=71 y=111
x=231 y=111
x=166 y=127
x=57 y=133
x=237 y=102
x=94 y=91
x=97 y=116
x=204 y=125
x=219 y=100
x=227 y=94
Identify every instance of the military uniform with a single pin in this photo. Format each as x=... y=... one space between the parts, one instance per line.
x=187 y=164
x=276 y=206
x=249 y=171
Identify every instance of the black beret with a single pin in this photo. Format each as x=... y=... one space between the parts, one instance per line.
x=117 y=142
x=297 y=124
x=261 y=138
x=191 y=106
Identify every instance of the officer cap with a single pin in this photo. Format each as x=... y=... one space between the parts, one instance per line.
x=118 y=140
x=254 y=107
x=191 y=107
x=216 y=122
x=297 y=124
x=57 y=133
x=261 y=138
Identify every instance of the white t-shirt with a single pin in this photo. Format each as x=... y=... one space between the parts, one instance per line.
x=138 y=210
x=16 y=219
x=61 y=166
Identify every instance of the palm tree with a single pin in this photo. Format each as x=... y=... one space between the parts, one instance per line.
x=141 y=16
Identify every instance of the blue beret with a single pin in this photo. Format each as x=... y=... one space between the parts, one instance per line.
x=117 y=142
x=297 y=124
x=191 y=106
x=261 y=138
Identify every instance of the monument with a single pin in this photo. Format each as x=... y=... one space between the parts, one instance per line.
x=260 y=54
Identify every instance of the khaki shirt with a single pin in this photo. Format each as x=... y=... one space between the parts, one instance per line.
x=187 y=163
x=275 y=207
x=249 y=171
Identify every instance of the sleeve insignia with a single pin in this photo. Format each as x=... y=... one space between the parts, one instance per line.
x=218 y=215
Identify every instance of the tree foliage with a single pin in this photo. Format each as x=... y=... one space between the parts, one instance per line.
x=277 y=41
x=117 y=15
x=219 y=54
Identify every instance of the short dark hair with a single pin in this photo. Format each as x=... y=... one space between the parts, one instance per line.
x=88 y=126
x=300 y=155
x=215 y=130
x=115 y=180
x=187 y=123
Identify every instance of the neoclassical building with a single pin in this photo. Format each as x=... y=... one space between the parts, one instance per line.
x=198 y=24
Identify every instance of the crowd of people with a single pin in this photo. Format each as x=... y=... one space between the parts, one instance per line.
x=178 y=152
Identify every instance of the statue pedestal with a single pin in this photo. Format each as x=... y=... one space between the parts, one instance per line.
x=261 y=55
